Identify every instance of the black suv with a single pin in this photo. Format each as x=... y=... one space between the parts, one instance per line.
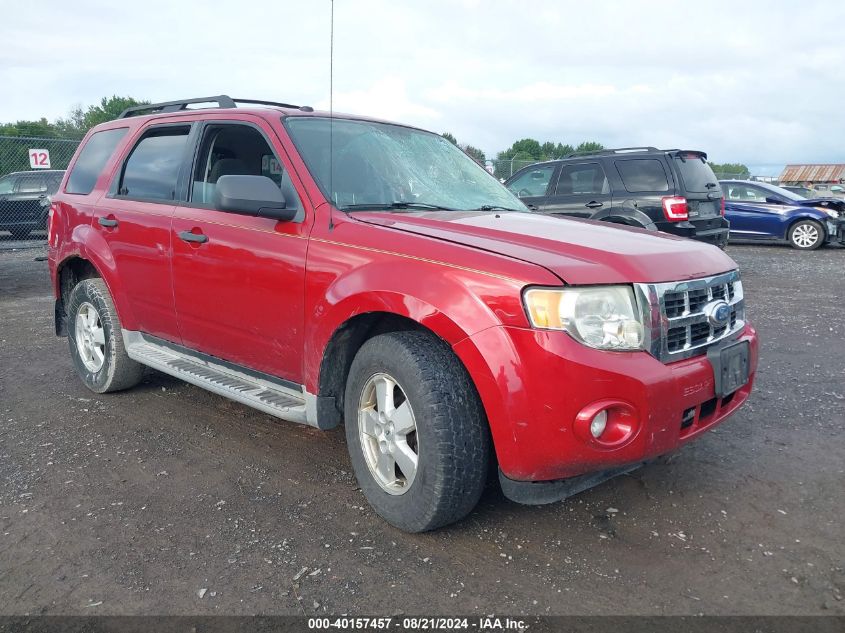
x=24 y=200
x=668 y=190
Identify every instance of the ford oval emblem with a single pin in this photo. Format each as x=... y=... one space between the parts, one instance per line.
x=718 y=313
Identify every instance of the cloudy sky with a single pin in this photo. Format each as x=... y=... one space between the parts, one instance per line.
x=756 y=82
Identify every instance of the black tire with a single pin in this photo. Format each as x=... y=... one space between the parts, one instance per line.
x=451 y=428
x=20 y=233
x=118 y=371
x=800 y=229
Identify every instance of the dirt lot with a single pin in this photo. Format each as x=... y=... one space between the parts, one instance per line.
x=167 y=499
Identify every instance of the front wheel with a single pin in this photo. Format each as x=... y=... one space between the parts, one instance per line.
x=96 y=340
x=416 y=431
x=806 y=235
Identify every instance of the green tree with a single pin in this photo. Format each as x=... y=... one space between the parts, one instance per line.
x=54 y=137
x=41 y=128
x=475 y=153
x=589 y=146
x=528 y=150
x=730 y=170
x=81 y=120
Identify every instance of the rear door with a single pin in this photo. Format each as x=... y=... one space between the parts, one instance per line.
x=581 y=190
x=532 y=184
x=134 y=219
x=644 y=182
x=28 y=203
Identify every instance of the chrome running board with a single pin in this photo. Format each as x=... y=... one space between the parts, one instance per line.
x=214 y=375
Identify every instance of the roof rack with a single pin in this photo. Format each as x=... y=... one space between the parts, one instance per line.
x=222 y=101
x=275 y=103
x=618 y=150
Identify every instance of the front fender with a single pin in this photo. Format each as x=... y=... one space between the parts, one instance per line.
x=452 y=303
x=802 y=213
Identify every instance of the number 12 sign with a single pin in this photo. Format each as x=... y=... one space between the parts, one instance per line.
x=39 y=159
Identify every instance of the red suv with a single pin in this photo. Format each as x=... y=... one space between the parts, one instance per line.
x=336 y=269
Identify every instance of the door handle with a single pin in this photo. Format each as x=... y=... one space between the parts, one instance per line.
x=594 y=205
x=107 y=222
x=187 y=236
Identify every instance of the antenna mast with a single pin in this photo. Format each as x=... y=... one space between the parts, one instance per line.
x=331 y=119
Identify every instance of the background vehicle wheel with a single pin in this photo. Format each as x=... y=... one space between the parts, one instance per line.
x=20 y=233
x=416 y=431
x=806 y=235
x=96 y=340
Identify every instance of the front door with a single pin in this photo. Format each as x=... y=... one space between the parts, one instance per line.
x=532 y=184
x=750 y=214
x=239 y=281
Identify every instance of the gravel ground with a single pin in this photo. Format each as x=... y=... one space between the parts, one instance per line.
x=167 y=499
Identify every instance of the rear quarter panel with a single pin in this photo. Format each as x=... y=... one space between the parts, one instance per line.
x=71 y=216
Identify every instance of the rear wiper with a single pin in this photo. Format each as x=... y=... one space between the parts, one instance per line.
x=710 y=185
x=391 y=206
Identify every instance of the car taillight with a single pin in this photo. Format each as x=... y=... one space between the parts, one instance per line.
x=722 y=208
x=675 y=208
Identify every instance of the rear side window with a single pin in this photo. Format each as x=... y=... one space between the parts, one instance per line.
x=53 y=183
x=152 y=169
x=92 y=159
x=643 y=174
x=31 y=184
x=695 y=173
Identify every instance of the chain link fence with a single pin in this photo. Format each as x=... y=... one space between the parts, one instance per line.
x=31 y=169
x=504 y=169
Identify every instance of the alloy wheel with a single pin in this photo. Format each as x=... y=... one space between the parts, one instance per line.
x=388 y=434
x=805 y=235
x=90 y=337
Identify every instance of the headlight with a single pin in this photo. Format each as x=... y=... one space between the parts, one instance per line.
x=830 y=212
x=603 y=317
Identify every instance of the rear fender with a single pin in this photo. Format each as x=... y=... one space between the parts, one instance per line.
x=95 y=249
x=626 y=215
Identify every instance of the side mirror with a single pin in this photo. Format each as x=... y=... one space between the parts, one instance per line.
x=257 y=196
x=772 y=200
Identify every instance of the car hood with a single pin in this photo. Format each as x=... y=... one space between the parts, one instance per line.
x=577 y=251
x=831 y=203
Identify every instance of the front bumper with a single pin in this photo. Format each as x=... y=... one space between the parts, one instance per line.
x=534 y=384
x=835 y=229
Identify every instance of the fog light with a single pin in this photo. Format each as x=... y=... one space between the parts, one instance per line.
x=599 y=423
x=606 y=424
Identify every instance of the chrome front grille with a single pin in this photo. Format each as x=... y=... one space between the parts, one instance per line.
x=676 y=314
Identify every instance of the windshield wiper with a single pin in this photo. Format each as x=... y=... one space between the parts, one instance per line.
x=392 y=206
x=496 y=207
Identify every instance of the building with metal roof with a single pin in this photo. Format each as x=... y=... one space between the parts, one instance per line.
x=798 y=174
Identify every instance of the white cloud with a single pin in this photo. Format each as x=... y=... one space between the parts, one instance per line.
x=754 y=82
